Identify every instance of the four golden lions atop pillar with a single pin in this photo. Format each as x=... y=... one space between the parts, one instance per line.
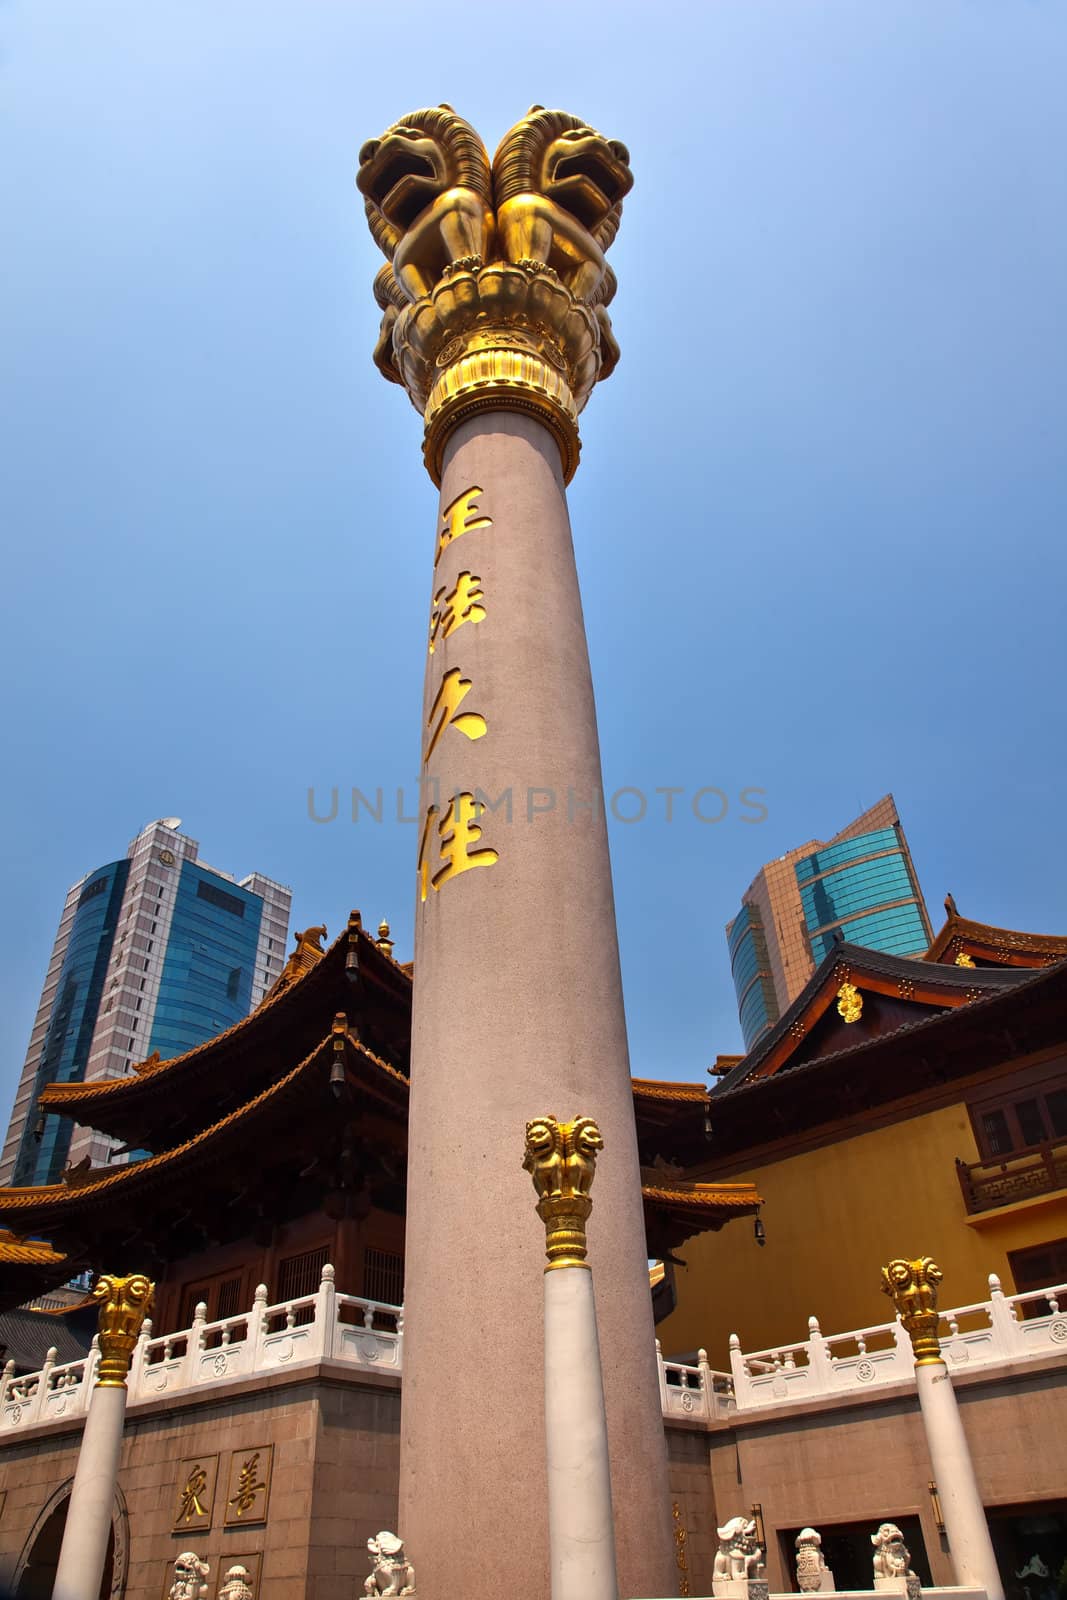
x=496 y=286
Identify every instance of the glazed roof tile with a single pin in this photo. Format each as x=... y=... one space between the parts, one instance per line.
x=31 y=1253
x=681 y=1093
x=1045 y=945
x=714 y=1196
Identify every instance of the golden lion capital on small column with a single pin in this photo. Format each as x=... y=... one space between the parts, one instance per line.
x=124 y=1304
x=496 y=287
x=561 y=1159
x=912 y=1287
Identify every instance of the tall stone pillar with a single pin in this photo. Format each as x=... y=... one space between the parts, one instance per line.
x=494 y=320
x=912 y=1286
x=125 y=1303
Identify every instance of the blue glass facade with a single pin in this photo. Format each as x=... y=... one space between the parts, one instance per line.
x=65 y=1052
x=864 y=888
x=750 y=966
x=206 y=983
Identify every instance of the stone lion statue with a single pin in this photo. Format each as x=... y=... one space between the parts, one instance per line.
x=392 y=1572
x=190 y=1577
x=428 y=191
x=738 y=1555
x=237 y=1586
x=812 y=1571
x=892 y=1559
x=558 y=186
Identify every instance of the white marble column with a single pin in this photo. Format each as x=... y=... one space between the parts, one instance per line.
x=961 y=1502
x=913 y=1287
x=581 y=1527
x=124 y=1303
x=92 y=1500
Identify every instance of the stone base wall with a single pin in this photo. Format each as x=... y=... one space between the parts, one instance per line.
x=331 y=1441
x=689 y=1475
x=846 y=1462
x=331 y=1447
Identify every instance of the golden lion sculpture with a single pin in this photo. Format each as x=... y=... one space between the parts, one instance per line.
x=548 y=208
x=428 y=187
x=558 y=186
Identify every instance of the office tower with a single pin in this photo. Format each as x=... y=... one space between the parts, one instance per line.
x=859 y=886
x=155 y=952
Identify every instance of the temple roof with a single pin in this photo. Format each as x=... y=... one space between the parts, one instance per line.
x=27 y=1336
x=925 y=1053
x=165 y=1102
x=15 y=1252
x=889 y=992
x=295 y=1135
x=29 y=1267
x=980 y=944
x=676 y=1208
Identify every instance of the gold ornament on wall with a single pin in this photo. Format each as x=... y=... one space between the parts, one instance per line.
x=495 y=292
x=681 y=1540
x=850 y=1002
x=561 y=1159
x=964 y=960
x=912 y=1287
x=124 y=1304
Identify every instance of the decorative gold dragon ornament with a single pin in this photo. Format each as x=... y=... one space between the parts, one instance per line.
x=561 y=1159
x=124 y=1304
x=496 y=287
x=912 y=1287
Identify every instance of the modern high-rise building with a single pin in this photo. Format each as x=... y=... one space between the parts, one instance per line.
x=155 y=952
x=860 y=886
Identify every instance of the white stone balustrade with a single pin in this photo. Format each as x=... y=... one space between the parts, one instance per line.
x=310 y=1328
x=366 y=1333
x=697 y=1392
x=1002 y=1328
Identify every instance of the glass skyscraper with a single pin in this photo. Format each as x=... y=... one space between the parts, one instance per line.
x=156 y=952
x=859 y=886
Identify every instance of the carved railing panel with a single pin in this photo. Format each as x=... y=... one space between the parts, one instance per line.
x=989 y=1184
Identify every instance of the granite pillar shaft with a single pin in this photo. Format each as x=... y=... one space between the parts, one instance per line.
x=92 y=1499
x=517 y=1012
x=970 y=1546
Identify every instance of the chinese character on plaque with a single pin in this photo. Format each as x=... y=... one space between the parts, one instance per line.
x=248 y=1488
x=195 y=1493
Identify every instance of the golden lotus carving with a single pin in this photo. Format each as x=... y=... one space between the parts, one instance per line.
x=496 y=287
x=849 y=1002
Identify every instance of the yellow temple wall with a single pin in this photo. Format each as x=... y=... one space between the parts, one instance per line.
x=834 y=1216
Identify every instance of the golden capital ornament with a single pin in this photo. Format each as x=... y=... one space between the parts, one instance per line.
x=561 y=1159
x=124 y=1304
x=495 y=291
x=912 y=1287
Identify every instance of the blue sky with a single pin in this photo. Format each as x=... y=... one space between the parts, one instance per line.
x=819 y=520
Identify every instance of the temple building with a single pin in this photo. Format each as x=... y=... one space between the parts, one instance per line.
x=897 y=1105
x=861 y=885
x=270 y=1214
x=894 y=1099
